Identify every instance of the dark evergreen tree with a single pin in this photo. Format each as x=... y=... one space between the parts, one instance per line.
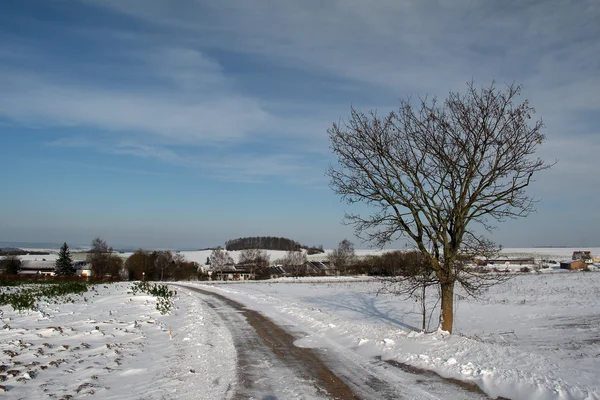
x=64 y=263
x=11 y=264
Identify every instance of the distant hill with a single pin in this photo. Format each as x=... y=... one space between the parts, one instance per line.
x=29 y=245
x=12 y=251
x=268 y=243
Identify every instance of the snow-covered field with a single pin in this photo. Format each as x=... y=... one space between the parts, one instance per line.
x=110 y=344
x=535 y=337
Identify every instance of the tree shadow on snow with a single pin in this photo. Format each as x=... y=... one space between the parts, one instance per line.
x=365 y=305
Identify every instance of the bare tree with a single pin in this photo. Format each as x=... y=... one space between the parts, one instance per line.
x=256 y=260
x=219 y=258
x=140 y=265
x=162 y=261
x=343 y=257
x=114 y=267
x=433 y=172
x=100 y=257
x=183 y=269
x=296 y=260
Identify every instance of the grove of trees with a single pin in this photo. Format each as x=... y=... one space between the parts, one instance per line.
x=433 y=172
x=262 y=242
x=159 y=266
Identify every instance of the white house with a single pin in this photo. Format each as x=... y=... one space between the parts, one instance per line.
x=83 y=268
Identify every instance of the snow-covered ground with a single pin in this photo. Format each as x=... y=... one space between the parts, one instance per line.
x=110 y=344
x=535 y=337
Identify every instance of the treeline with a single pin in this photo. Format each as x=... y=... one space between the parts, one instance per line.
x=160 y=266
x=269 y=243
x=394 y=263
x=262 y=242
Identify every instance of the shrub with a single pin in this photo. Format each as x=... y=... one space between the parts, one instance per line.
x=164 y=296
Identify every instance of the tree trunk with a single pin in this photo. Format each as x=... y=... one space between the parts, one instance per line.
x=447 y=309
x=423 y=306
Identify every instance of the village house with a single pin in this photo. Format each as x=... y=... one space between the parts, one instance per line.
x=309 y=268
x=83 y=268
x=585 y=256
x=37 y=267
x=573 y=264
x=512 y=261
x=232 y=272
x=47 y=268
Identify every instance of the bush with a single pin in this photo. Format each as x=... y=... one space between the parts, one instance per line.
x=164 y=296
x=525 y=269
x=19 y=301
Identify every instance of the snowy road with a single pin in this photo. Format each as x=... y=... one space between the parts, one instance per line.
x=270 y=366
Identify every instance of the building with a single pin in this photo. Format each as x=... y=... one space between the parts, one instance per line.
x=321 y=268
x=512 y=261
x=573 y=264
x=585 y=256
x=231 y=273
x=38 y=267
x=82 y=268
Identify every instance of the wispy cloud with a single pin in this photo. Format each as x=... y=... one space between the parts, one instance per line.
x=214 y=116
x=402 y=45
x=221 y=163
x=173 y=82
x=405 y=48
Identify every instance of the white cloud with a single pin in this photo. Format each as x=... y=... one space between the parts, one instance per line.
x=31 y=100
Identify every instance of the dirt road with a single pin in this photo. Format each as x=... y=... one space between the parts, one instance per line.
x=271 y=367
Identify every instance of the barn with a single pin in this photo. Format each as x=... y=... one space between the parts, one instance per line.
x=573 y=264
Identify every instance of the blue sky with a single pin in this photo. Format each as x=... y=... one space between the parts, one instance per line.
x=187 y=123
